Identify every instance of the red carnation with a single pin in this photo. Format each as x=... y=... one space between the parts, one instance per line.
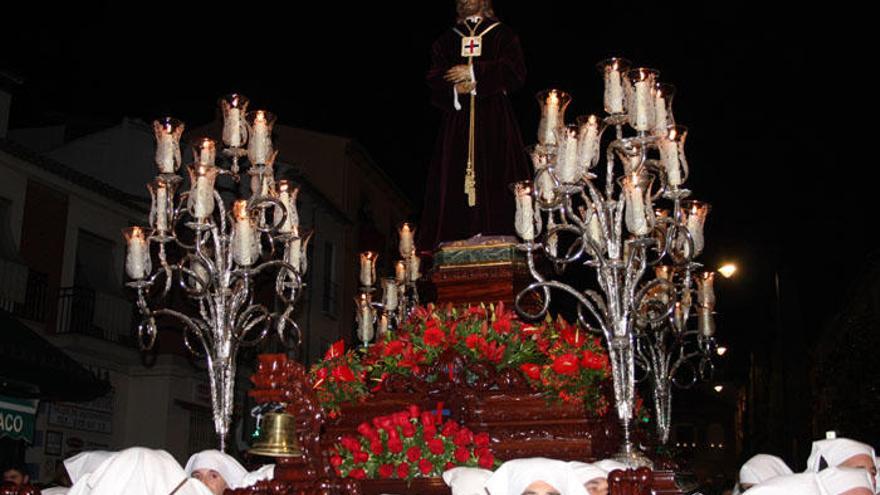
x=366 y=430
x=393 y=348
x=462 y=455
x=502 y=323
x=433 y=336
x=474 y=341
x=435 y=445
x=361 y=456
x=402 y=470
x=566 y=364
x=401 y=418
x=531 y=370
x=463 y=438
x=493 y=352
x=425 y=467
x=357 y=474
x=486 y=461
x=593 y=361
x=386 y=471
x=482 y=440
x=482 y=451
x=413 y=410
x=335 y=461
x=573 y=336
x=448 y=466
x=395 y=446
x=376 y=446
x=408 y=430
x=350 y=443
x=386 y=423
x=413 y=454
x=449 y=429
x=429 y=432
x=428 y=418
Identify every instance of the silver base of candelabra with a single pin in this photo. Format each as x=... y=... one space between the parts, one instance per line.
x=630 y=455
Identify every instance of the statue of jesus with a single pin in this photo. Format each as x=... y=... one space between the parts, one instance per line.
x=479 y=150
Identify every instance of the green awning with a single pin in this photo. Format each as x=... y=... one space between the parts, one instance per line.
x=17 y=418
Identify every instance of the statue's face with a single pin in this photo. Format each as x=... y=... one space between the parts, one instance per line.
x=468 y=8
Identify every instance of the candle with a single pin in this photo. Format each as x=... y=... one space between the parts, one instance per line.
x=368 y=268
x=234 y=129
x=400 y=272
x=634 y=196
x=260 y=143
x=641 y=108
x=524 y=220
x=706 y=290
x=407 y=232
x=167 y=133
x=287 y=196
x=294 y=250
x=245 y=247
x=413 y=266
x=678 y=317
x=137 y=257
x=553 y=104
x=612 y=71
x=706 y=322
x=588 y=150
x=365 y=318
x=201 y=195
x=544 y=185
x=566 y=154
x=160 y=192
x=695 y=220
x=383 y=327
x=663 y=108
x=389 y=294
x=672 y=155
x=205 y=151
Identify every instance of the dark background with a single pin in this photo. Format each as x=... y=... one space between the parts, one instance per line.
x=778 y=104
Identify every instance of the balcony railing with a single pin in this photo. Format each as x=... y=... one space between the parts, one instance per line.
x=23 y=292
x=86 y=311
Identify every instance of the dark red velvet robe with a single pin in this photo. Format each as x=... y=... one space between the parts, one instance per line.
x=500 y=155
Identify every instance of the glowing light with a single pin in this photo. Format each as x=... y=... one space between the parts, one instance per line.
x=727 y=270
x=721 y=350
x=719 y=388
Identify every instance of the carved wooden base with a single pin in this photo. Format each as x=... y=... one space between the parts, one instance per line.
x=480 y=284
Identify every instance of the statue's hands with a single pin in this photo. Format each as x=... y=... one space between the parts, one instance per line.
x=465 y=87
x=458 y=74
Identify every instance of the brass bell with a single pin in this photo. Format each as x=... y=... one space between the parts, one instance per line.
x=276 y=436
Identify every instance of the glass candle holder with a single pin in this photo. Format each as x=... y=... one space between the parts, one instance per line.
x=137 y=255
x=297 y=247
x=234 y=109
x=640 y=98
x=366 y=318
x=286 y=193
x=672 y=157
x=595 y=232
x=566 y=154
x=524 y=220
x=162 y=204
x=406 y=233
x=613 y=72
x=205 y=151
x=368 y=268
x=545 y=182
x=400 y=272
x=706 y=290
x=639 y=212
x=590 y=128
x=663 y=93
x=167 y=132
x=553 y=104
x=260 y=124
x=389 y=294
x=201 y=193
x=245 y=243
x=413 y=268
x=706 y=322
x=694 y=215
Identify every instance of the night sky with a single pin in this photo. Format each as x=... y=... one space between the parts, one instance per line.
x=775 y=104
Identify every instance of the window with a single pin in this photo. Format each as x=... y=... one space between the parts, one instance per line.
x=94 y=263
x=329 y=303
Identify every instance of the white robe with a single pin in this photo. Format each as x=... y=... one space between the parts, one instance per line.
x=761 y=468
x=230 y=469
x=138 y=471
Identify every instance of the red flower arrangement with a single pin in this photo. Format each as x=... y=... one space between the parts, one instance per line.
x=409 y=444
x=339 y=378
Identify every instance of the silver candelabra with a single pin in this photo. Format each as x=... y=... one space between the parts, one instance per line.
x=567 y=218
x=400 y=293
x=219 y=251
